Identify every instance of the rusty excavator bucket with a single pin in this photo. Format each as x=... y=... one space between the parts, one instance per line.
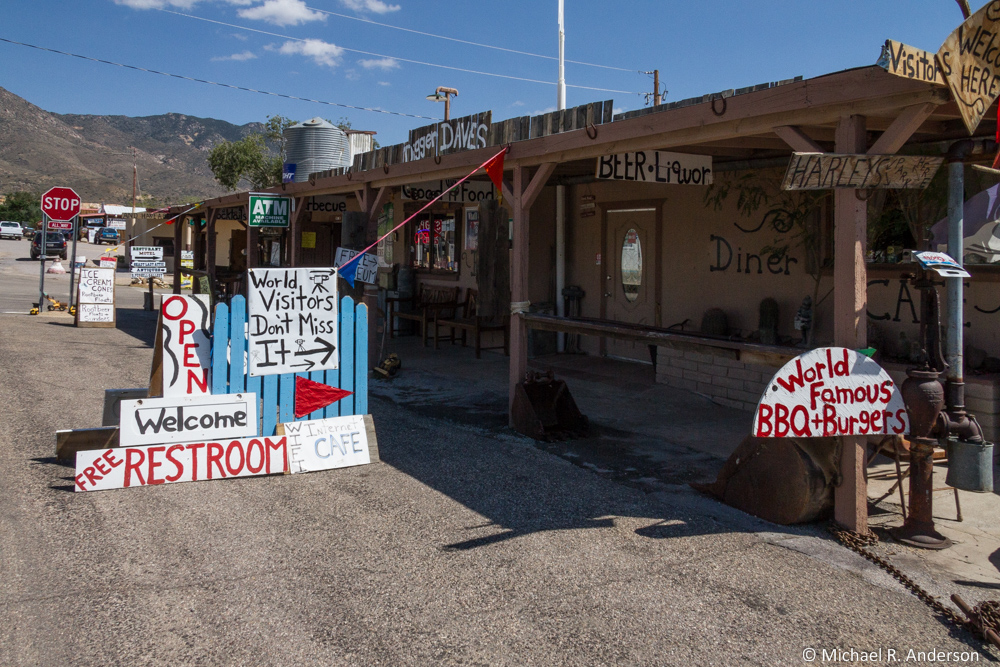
x=545 y=410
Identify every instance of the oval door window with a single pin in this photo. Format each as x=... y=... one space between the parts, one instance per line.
x=631 y=265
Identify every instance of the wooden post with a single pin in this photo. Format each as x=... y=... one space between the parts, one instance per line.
x=518 y=286
x=252 y=235
x=210 y=252
x=850 y=301
x=178 y=231
x=295 y=233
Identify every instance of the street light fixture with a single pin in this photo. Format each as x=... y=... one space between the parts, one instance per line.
x=443 y=94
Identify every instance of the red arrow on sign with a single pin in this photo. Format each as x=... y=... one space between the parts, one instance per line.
x=61 y=204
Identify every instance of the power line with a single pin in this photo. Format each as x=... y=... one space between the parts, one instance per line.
x=465 y=41
x=216 y=83
x=405 y=60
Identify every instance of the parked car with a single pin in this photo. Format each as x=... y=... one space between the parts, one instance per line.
x=10 y=230
x=29 y=232
x=55 y=244
x=106 y=235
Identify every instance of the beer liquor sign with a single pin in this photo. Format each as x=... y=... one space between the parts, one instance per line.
x=831 y=391
x=268 y=210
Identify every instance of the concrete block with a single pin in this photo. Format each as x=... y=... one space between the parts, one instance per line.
x=981 y=406
x=750 y=407
x=686 y=364
x=710 y=389
x=671 y=371
x=757 y=388
x=681 y=383
x=985 y=389
x=713 y=369
x=668 y=352
x=728 y=382
x=746 y=374
x=740 y=395
x=698 y=376
x=698 y=356
x=729 y=363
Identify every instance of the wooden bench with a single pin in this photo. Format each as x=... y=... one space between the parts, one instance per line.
x=472 y=322
x=432 y=302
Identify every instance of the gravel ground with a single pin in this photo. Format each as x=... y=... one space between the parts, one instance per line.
x=463 y=546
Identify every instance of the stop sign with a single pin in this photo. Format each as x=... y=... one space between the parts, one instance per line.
x=61 y=204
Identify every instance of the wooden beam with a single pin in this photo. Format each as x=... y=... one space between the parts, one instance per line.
x=518 y=283
x=796 y=138
x=902 y=129
x=538 y=182
x=850 y=303
x=210 y=253
x=178 y=231
x=508 y=192
x=378 y=201
x=295 y=232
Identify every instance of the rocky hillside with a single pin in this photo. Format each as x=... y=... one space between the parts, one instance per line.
x=91 y=154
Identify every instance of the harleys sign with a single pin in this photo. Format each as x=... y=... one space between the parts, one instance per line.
x=121 y=468
x=154 y=421
x=830 y=392
x=656 y=167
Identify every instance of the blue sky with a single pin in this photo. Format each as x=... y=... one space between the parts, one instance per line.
x=318 y=49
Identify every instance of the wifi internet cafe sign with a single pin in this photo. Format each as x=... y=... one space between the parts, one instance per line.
x=267 y=210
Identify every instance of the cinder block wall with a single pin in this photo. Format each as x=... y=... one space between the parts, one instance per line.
x=735 y=384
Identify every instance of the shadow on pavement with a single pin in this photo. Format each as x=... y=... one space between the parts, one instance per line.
x=138 y=323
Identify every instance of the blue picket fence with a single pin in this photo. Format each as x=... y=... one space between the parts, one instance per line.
x=276 y=393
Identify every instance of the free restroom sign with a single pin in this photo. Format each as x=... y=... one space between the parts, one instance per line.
x=267 y=210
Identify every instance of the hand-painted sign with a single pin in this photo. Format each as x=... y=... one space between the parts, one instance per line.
x=450 y=136
x=367 y=265
x=269 y=210
x=97 y=285
x=324 y=444
x=186 y=335
x=970 y=62
x=109 y=262
x=292 y=320
x=326 y=204
x=95 y=312
x=146 y=252
x=116 y=223
x=656 y=167
x=830 y=392
x=125 y=467
x=187 y=262
x=910 y=63
x=231 y=213
x=469 y=192
x=154 y=421
x=824 y=171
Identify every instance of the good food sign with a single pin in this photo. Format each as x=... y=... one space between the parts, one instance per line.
x=830 y=392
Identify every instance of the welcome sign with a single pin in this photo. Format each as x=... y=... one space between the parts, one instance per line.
x=154 y=421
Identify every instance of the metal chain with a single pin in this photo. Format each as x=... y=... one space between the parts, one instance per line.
x=859 y=543
x=989 y=615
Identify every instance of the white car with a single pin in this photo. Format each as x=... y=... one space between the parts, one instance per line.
x=10 y=230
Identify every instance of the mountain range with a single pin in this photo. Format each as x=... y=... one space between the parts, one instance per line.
x=93 y=154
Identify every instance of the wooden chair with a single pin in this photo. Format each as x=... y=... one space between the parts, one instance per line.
x=433 y=301
x=472 y=322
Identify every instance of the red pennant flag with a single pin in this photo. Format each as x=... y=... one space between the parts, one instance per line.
x=312 y=396
x=494 y=169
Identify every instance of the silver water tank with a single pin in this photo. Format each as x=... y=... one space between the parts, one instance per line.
x=316 y=145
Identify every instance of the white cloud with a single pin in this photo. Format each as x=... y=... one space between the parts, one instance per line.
x=384 y=83
x=238 y=57
x=517 y=103
x=352 y=75
x=374 y=6
x=385 y=64
x=322 y=53
x=281 y=12
x=543 y=111
x=240 y=36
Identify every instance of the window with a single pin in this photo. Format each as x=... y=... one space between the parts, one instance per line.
x=166 y=243
x=434 y=242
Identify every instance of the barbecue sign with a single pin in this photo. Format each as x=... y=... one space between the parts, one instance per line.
x=293 y=320
x=269 y=210
x=829 y=392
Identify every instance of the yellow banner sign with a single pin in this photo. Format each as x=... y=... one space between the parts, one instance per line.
x=825 y=171
x=970 y=62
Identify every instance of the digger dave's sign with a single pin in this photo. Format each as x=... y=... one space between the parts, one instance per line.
x=830 y=391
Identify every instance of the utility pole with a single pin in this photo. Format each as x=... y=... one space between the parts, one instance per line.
x=561 y=194
x=135 y=183
x=657 y=99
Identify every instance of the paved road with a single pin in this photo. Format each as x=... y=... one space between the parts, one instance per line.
x=463 y=547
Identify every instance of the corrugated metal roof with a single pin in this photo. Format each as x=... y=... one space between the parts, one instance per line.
x=115 y=209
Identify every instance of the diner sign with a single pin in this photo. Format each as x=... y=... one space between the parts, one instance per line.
x=125 y=467
x=829 y=392
x=824 y=171
x=970 y=62
x=448 y=136
x=656 y=167
x=154 y=421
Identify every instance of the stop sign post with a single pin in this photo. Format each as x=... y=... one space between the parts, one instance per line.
x=59 y=205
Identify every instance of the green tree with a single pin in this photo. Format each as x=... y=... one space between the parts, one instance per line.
x=255 y=160
x=21 y=207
